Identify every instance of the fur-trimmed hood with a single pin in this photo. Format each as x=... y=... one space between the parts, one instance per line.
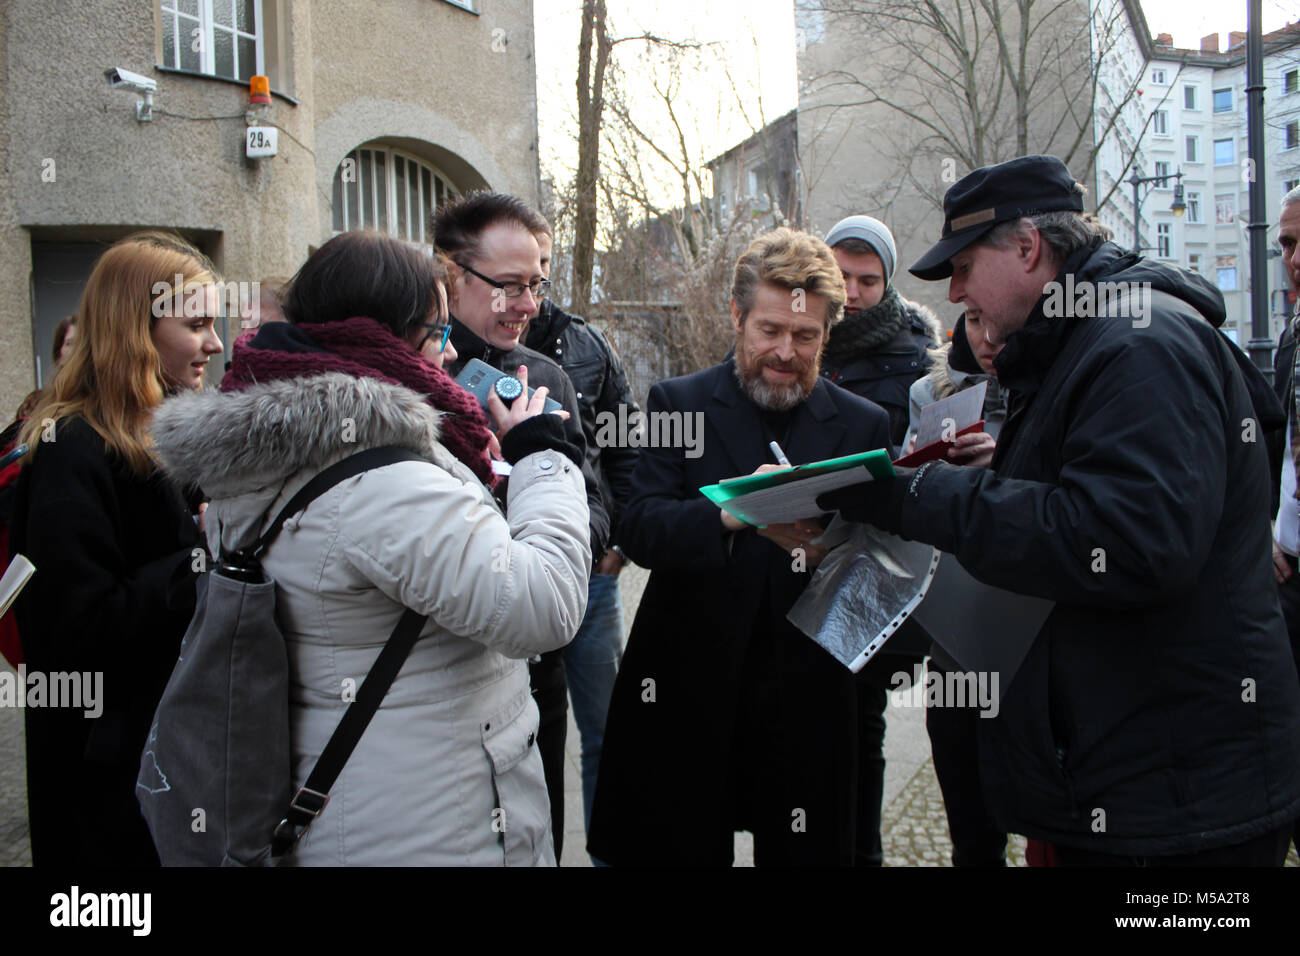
x=924 y=316
x=251 y=450
x=228 y=443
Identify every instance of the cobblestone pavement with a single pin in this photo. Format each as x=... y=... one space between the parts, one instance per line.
x=914 y=830
x=14 y=848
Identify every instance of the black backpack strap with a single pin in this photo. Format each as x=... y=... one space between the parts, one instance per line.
x=339 y=471
x=312 y=797
x=310 y=800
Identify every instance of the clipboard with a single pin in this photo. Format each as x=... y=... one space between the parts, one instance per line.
x=782 y=496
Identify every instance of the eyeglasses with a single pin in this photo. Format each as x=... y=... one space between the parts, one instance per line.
x=435 y=329
x=513 y=290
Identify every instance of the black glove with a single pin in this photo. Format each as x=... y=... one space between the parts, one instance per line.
x=878 y=503
x=538 y=434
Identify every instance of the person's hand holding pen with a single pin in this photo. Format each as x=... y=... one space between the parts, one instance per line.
x=791 y=537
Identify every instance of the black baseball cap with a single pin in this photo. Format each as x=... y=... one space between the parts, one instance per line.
x=993 y=194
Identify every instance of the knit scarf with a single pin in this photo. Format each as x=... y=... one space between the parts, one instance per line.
x=860 y=332
x=364 y=348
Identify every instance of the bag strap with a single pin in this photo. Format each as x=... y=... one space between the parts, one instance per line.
x=311 y=798
x=339 y=471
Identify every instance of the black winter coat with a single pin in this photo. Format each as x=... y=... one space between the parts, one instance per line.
x=885 y=374
x=1284 y=388
x=736 y=693
x=113 y=593
x=600 y=384
x=1157 y=711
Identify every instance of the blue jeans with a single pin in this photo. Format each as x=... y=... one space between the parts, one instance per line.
x=591 y=660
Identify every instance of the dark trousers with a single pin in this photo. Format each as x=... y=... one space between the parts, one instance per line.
x=976 y=839
x=1288 y=594
x=551 y=692
x=873 y=683
x=1266 y=850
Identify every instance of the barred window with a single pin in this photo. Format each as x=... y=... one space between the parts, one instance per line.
x=378 y=188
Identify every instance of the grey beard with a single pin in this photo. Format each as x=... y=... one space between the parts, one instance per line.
x=776 y=398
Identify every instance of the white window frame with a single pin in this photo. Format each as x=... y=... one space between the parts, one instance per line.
x=208 y=26
x=1158 y=77
x=1188 y=88
x=1162 y=169
x=417 y=238
x=1232 y=147
x=1291 y=132
x=1192 y=154
x=1289 y=74
x=1194 y=262
x=1220 y=202
x=1220 y=269
x=1164 y=240
x=1193 y=206
x=1160 y=123
x=1231 y=99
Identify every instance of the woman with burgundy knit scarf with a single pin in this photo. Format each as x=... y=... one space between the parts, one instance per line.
x=448 y=772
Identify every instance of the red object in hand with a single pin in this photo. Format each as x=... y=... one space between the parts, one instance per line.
x=935 y=450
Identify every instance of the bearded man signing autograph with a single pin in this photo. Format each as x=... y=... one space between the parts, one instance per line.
x=724 y=716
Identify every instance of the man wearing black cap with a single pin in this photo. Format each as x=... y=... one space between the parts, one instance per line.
x=1156 y=717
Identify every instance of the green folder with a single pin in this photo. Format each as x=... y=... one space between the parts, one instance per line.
x=877 y=462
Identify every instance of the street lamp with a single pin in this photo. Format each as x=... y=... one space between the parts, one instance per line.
x=1178 y=208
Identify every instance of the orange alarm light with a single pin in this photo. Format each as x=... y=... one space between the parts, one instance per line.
x=259 y=90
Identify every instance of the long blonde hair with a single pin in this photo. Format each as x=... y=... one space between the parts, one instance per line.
x=113 y=377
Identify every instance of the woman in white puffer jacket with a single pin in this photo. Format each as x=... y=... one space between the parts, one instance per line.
x=448 y=772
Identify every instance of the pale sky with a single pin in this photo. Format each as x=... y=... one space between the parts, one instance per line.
x=756 y=39
x=1189 y=20
x=734 y=26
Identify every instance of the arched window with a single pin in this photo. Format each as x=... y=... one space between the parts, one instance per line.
x=384 y=189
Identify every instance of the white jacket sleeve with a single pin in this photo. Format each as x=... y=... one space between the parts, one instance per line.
x=431 y=542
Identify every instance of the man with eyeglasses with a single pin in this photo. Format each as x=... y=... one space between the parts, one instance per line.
x=496 y=282
x=592 y=658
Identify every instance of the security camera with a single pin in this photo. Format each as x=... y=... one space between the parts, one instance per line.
x=119 y=78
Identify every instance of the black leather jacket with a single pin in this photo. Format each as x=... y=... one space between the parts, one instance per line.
x=601 y=386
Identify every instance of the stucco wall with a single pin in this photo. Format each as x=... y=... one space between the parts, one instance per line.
x=410 y=69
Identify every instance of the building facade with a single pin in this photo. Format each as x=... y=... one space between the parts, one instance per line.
x=897 y=102
x=382 y=110
x=1200 y=131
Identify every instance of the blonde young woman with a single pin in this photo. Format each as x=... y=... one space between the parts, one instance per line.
x=113 y=543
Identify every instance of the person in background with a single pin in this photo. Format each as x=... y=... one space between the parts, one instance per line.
x=1284 y=448
x=961 y=363
x=591 y=659
x=65 y=335
x=496 y=281
x=877 y=351
x=114 y=542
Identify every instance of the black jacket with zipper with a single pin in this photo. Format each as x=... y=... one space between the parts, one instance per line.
x=600 y=386
x=1157 y=710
